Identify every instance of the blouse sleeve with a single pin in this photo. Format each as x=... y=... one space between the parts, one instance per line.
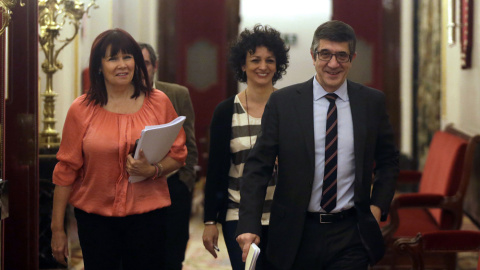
x=70 y=154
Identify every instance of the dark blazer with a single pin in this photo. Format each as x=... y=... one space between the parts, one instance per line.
x=287 y=131
x=180 y=98
x=219 y=158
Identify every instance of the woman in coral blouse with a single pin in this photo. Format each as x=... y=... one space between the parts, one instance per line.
x=119 y=223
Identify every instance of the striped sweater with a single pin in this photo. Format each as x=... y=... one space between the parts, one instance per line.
x=244 y=134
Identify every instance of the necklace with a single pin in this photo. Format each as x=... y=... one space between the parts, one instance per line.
x=248 y=117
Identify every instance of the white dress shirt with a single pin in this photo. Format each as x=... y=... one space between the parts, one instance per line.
x=345 y=158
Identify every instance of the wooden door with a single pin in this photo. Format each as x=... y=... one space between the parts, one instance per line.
x=20 y=241
x=377 y=26
x=3 y=189
x=193 y=48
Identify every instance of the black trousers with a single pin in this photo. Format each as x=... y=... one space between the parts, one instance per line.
x=233 y=248
x=177 y=223
x=331 y=246
x=128 y=243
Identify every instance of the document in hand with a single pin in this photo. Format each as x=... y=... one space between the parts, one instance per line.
x=252 y=257
x=156 y=141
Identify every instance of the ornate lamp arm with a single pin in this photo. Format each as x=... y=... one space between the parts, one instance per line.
x=53 y=16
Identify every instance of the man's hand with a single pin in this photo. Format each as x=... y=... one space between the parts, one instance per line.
x=210 y=238
x=377 y=213
x=245 y=240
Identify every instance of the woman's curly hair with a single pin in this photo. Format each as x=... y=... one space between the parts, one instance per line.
x=249 y=40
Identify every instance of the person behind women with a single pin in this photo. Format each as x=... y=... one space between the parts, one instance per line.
x=120 y=224
x=182 y=182
x=259 y=57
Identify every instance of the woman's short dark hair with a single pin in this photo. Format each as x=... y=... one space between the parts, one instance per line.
x=249 y=40
x=121 y=41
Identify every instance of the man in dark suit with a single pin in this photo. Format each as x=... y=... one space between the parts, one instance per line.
x=180 y=183
x=326 y=207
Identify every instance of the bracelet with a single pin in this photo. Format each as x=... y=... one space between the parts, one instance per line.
x=210 y=222
x=160 y=169
x=155 y=176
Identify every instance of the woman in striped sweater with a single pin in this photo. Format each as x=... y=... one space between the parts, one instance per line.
x=259 y=58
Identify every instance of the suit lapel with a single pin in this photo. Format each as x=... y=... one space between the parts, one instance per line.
x=304 y=110
x=358 y=106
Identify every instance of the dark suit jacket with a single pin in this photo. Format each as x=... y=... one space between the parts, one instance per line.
x=287 y=131
x=180 y=98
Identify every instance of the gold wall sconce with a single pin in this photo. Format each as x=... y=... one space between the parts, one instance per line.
x=6 y=7
x=53 y=16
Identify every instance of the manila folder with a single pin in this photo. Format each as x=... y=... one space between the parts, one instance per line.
x=156 y=141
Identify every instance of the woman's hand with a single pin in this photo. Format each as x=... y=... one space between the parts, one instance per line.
x=60 y=246
x=210 y=238
x=140 y=167
x=59 y=241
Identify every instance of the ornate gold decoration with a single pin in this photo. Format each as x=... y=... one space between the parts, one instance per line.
x=6 y=9
x=53 y=15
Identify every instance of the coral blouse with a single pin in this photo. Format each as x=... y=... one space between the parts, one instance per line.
x=93 y=153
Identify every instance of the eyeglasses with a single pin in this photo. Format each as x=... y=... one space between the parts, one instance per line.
x=342 y=57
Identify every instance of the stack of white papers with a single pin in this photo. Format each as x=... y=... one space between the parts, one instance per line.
x=156 y=141
x=252 y=257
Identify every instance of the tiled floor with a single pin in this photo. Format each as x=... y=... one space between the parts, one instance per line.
x=197 y=257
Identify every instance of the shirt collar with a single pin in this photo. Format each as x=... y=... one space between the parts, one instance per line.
x=319 y=92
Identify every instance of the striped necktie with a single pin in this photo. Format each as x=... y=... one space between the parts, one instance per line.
x=329 y=191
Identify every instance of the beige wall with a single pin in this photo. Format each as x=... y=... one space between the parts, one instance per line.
x=406 y=47
x=462 y=86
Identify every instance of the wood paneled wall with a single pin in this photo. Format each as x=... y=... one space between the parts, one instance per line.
x=21 y=145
